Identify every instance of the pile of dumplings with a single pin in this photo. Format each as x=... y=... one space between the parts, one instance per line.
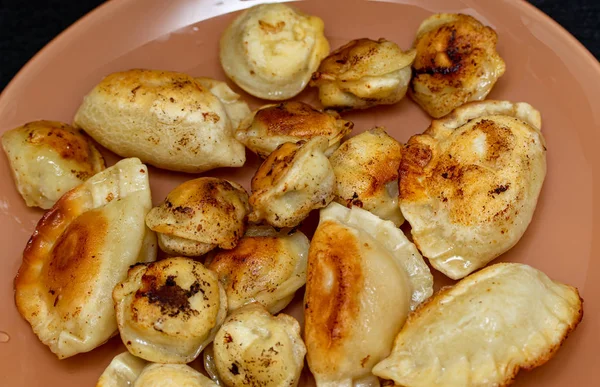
x=233 y=260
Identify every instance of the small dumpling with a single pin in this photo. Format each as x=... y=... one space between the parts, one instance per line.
x=294 y=180
x=171 y=375
x=169 y=310
x=366 y=174
x=480 y=332
x=271 y=50
x=199 y=215
x=456 y=62
x=254 y=348
x=469 y=185
x=362 y=271
x=364 y=73
x=266 y=266
x=80 y=249
x=272 y=125
x=166 y=119
x=49 y=158
x=122 y=371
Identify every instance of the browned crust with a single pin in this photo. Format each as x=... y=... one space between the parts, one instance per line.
x=275 y=166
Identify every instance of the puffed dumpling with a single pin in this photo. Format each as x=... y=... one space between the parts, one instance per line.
x=480 y=332
x=254 y=348
x=271 y=50
x=199 y=215
x=362 y=272
x=49 y=158
x=456 y=62
x=294 y=180
x=122 y=371
x=366 y=174
x=364 y=73
x=167 y=119
x=292 y=121
x=469 y=185
x=171 y=375
x=80 y=249
x=169 y=310
x=266 y=266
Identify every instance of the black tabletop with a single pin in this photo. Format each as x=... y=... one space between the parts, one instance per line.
x=26 y=26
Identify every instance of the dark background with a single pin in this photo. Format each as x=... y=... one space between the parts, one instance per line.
x=26 y=26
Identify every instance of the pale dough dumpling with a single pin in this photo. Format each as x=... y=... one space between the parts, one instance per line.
x=456 y=62
x=254 y=348
x=167 y=119
x=272 y=125
x=49 y=158
x=266 y=266
x=364 y=73
x=171 y=375
x=362 y=272
x=169 y=310
x=469 y=185
x=295 y=179
x=81 y=248
x=271 y=50
x=122 y=371
x=199 y=215
x=481 y=331
x=366 y=174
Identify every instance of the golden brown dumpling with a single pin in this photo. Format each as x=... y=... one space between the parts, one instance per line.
x=49 y=158
x=199 y=215
x=122 y=371
x=469 y=185
x=171 y=375
x=456 y=62
x=169 y=310
x=364 y=73
x=272 y=125
x=366 y=174
x=295 y=179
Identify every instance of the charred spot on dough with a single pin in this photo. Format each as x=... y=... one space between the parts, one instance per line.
x=171 y=298
x=68 y=143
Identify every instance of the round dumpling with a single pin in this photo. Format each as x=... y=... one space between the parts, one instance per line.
x=199 y=215
x=271 y=50
x=169 y=310
x=49 y=158
x=364 y=73
x=172 y=375
x=272 y=125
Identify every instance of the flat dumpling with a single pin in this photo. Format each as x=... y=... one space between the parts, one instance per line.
x=171 y=375
x=366 y=174
x=266 y=266
x=49 y=158
x=81 y=248
x=481 y=331
x=168 y=311
x=469 y=185
x=362 y=271
x=122 y=371
x=272 y=125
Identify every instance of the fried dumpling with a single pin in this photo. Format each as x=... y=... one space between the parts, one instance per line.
x=364 y=73
x=362 y=271
x=480 y=332
x=254 y=348
x=169 y=310
x=469 y=185
x=49 y=158
x=171 y=375
x=122 y=371
x=81 y=248
x=456 y=62
x=271 y=50
x=366 y=174
x=266 y=266
x=167 y=119
x=272 y=125
x=199 y=215
x=295 y=179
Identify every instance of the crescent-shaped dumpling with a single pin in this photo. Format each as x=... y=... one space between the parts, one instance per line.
x=49 y=158
x=81 y=248
x=171 y=375
x=272 y=125
x=481 y=331
x=366 y=174
x=469 y=185
x=271 y=50
x=362 y=272
x=169 y=310
x=122 y=371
